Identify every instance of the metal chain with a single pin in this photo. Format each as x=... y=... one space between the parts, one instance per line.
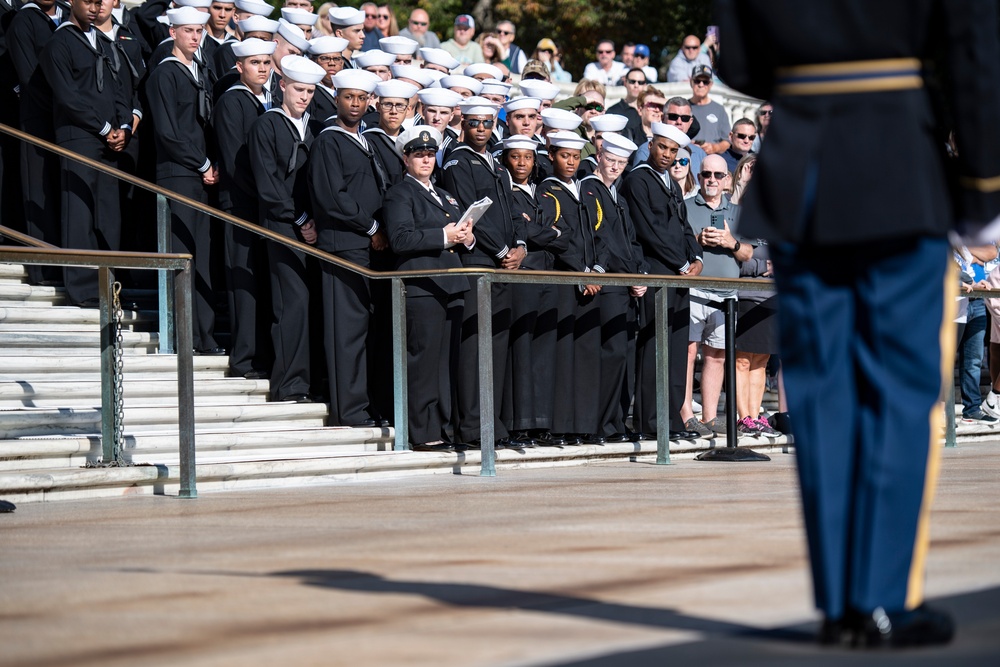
x=119 y=374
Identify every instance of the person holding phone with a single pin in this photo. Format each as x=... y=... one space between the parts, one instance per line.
x=713 y=218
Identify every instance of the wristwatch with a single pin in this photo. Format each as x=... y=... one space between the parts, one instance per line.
x=736 y=248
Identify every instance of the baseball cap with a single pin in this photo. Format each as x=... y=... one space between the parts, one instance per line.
x=701 y=72
x=465 y=21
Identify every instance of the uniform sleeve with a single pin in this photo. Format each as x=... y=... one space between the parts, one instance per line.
x=174 y=137
x=276 y=198
x=22 y=44
x=459 y=181
x=567 y=247
x=639 y=263
x=404 y=237
x=231 y=137
x=652 y=223
x=55 y=63
x=330 y=191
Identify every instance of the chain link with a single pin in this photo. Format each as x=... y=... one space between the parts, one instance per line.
x=119 y=374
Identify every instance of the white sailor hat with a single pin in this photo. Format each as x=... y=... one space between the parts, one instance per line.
x=522 y=103
x=293 y=35
x=253 y=47
x=413 y=73
x=618 y=145
x=435 y=75
x=460 y=81
x=439 y=57
x=671 y=132
x=399 y=45
x=418 y=137
x=187 y=16
x=543 y=90
x=609 y=122
x=439 y=97
x=299 y=16
x=301 y=69
x=258 y=23
x=355 y=79
x=374 y=58
x=560 y=119
x=396 y=88
x=345 y=16
x=483 y=68
x=478 y=106
x=258 y=7
x=566 y=139
x=519 y=141
x=327 y=44
x=198 y=4
x=495 y=87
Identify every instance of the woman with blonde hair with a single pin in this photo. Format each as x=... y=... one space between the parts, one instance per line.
x=324 y=17
x=492 y=48
x=386 y=22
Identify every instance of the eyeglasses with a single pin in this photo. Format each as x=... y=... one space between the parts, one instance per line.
x=371 y=16
x=383 y=16
x=505 y=32
x=682 y=162
x=765 y=112
x=682 y=117
x=717 y=175
x=594 y=106
x=654 y=106
x=394 y=106
x=701 y=82
x=419 y=24
x=329 y=60
x=636 y=82
x=744 y=137
x=605 y=50
x=690 y=47
x=476 y=122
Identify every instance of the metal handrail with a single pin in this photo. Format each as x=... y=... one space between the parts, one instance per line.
x=104 y=262
x=485 y=276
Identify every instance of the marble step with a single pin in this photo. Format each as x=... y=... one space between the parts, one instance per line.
x=213 y=445
x=72 y=342
x=63 y=421
x=26 y=365
x=12 y=274
x=31 y=295
x=65 y=393
x=69 y=318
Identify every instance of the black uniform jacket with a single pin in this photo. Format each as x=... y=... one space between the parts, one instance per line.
x=181 y=107
x=470 y=177
x=414 y=221
x=561 y=208
x=125 y=53
x=820 y=178
x=29 y=31
x=324 y=104
x=613 y=228
x=660 y=221
x=233 y=116
x=542 y=239
x=385 y=146
x=347 y=188
x=88 y=98
x=279 y=153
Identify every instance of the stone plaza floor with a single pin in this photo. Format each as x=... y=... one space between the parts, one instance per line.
x=623 y=563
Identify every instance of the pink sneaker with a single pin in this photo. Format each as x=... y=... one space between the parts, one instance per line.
x=747 y=426
x=765 y=428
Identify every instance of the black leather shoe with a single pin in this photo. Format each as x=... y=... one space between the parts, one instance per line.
x=211 y=352
x=923 y=626
x=298 y=398
x=551 y=440
x=256 y=375
x=684 y=435
x=636 y=437
x=367 y=423
x=619 y=437
x=593 y=439
x=439 y=447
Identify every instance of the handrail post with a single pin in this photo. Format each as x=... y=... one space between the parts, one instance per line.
x=950 y=438
x=399 y=388
x=185 y=382
x=732 y=436
x=109 y=398
x=662 y=377
x=486 y=434
x=165 y=277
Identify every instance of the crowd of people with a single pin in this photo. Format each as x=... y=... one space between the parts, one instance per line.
x=373 y=150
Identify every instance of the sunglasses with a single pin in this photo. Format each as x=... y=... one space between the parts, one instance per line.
x=744 y=137
x=371 y=16
x=383 y=16
x=765 y=112
x=421 y=24
x=594 y=106
x=701 y=82
x=717 y=175
x=682 y=162
x=690 y=47
x=504 y=32
x=476 y=122
x=636 y=82
x=654 y=106
x=605 y=51
x=682 y=117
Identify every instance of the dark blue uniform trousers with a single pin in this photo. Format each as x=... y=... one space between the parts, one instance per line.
x=864 y=332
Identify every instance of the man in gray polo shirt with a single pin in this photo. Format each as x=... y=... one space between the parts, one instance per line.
x=714 y=219
x=713 y=135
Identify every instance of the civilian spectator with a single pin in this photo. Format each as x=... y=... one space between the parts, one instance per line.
x=713 y=219
x=680 y=171
x=678 y=113
x=991 y=404
x=713 y=136
x=741 y=140
x=417 y=28
x=606 y=70
x=461 y=45
x=372 y=33
x=492 y=49
x=513 y=56
x=688 y=57
x=587 y=102
x=972 y=336
x=641 y=61
x=628 y=106
x=763 y=122
x=547 y=53
x=651 y=102
x=628 y=54
x=386 y=21
x=323 y=25
x=535 y=69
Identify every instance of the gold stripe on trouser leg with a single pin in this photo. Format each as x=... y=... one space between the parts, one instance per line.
x=940 y=412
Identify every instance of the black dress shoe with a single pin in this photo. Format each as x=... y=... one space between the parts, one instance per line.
x=551 y=440
x=521 y=439
x=92 y=302
x=620 y=437
x=298 y=398
x=367 y=423
x=592 y=439
x=923 y=626
x=211 y=352
x=438 y=447
x=684 y=435
x=256 y=375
